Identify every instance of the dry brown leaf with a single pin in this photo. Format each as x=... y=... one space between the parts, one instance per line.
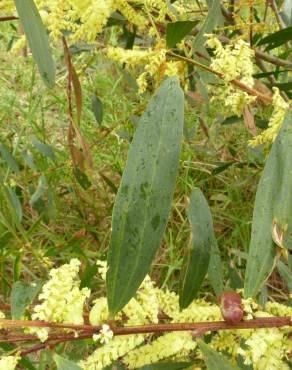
x=249 y=120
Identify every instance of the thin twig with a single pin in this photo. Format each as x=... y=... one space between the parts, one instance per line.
x=198 y=329
x=258 y=53
x=277 y=14
x=8 y=18
x=271 y=78
x=45 y=324
x=262 y=55
x=234 y=82
x=262 y=322
x=38 y=347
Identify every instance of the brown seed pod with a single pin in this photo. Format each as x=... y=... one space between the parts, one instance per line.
x=231 y=307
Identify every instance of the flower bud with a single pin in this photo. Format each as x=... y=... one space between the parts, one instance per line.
x=231 y=307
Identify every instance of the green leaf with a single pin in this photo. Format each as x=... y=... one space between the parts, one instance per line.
x=213 y=19
x=37 y=39
x=28 y=158
x=286 y=274
x=144 y=198
x=40 y=190
x=82 y=178
x=115 y=366
x=166 y=366
x=64 y=364
x=222 y=167
x=17 y=266
x=215 y=270
x=45 y=149
x=8 y=157
x=26 y=363
x=15 y=203
x=277 y=38
x=197 y=259
x=22 y=294
x=176 y=31
x=97 y=108
x=286 y=12
x=273 y=202
x=213 y=359
x=285 y=86
x=231 y=120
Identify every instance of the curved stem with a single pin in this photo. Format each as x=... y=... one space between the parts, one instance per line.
x=234 y=82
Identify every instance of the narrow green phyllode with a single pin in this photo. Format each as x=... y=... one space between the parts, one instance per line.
x=145 y=194
x=37 y=39
x=273 y=204
x=196 y=261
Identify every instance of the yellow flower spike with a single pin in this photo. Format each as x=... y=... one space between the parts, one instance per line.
x=62 y=300
x=129 y=12
x=269 y=135
x=9 y=362
x=234 y=61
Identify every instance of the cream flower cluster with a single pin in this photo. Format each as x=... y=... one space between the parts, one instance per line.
x=233 y=61
x=63 y=301
x=141 y=310
x=154 y=61
x=87 y=18
x=275 y=122
x=9 y=362
x=140 y=350
x=105 y=334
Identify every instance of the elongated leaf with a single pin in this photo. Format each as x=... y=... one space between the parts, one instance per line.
x=176 y=31
x=8 y=157
x=97 y=108
x=166 y=366
x=64 y=364
x=15 y=202
x=40 y=190
x=213 y=359
x=273 y=203
x=26 y=363
x=215 y=271
x=115 y=366
x=17 y=267
x=43 y=148
x=197 y=259
x=286 y=12
x=287 y=86
x=22 y=295
x=277 y=38
x=37 y=39
x=286 y=274
x=213 y=19
x=144 y=198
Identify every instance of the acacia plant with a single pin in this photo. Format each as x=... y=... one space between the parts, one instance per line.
x=210 y=53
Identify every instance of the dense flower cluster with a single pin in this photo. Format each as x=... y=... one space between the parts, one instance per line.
x=62 y=300
x=87 y=18
x=9 y=362
x=275 y=122
x=233 y=61
x=264 y=348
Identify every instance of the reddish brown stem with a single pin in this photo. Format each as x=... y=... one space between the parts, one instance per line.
x=198 y=329
x=45 y=324
x=262 y=322
x=8 y=18
x=38 y=347
x=234 y=82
